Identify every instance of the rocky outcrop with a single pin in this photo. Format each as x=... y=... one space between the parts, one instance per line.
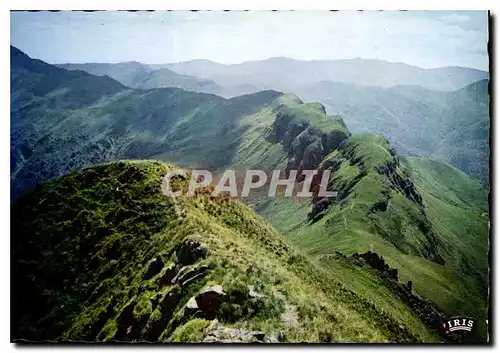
x=190 y=275
x=166 y=307
x=209 y=300
x=154 y=267
x=377 y=262
x=217 y=333
x=190 y=252
x=401 y=182
x=423 y=308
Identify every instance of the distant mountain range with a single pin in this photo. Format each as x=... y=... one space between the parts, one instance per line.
x=63 y=120
x=452 y=127
x=101 y=254
x=136 y=75
x=288 y=74
x=282 y=74
x=141 y=76
x=440 y=113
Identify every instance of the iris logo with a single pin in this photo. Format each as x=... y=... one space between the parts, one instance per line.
x=458 y=324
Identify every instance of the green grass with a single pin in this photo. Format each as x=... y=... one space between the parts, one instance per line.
x=82 y=243
x=453 y=226
x=102 y=226
x=191 y=332
x=295 y=111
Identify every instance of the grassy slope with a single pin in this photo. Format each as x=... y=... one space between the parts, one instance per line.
x=65 y=120
x=89 y=239
x=456 y=287
x=452 y=127
x=455 y=207
x=201 y=130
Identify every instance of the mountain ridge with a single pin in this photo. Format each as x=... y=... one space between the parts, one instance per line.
x=338 y=70
x=416 y=120
x=424 y=219
x=275 y=58
x=395 y=107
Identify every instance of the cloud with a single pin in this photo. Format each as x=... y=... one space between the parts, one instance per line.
x=421 y=38
x=455 y=18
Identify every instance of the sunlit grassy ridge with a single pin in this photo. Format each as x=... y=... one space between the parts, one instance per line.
x=87 y=247
x=434 y=227
x=296 y=111
x=91 y=238
x=427 y=219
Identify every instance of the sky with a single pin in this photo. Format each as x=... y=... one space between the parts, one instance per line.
x=427 y=39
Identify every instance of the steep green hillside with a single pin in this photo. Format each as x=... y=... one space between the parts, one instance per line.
x=137 y=75
x=101 y=254
x=440 y=114
x=428 y=220
x=403 y=245
x=451 y=127
x=64 y=120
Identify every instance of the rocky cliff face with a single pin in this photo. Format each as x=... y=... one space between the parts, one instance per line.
x=367 y=166
x=305 y=141
x=422 y=308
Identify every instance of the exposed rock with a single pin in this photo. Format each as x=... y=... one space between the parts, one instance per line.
x=168 y=275
x=184 y=277
x=209 y=300
x=211 y=339
x=170 y=300
x=154 y=267
x=424 y=309
x=214 y=324
x=319 y=209
x=333 y=139
x=281 y=337
x=167 y=306
x=190 y=251
x=191 y=309
x=401 y=182
x=393 y=273
x=129 y=326
x=379 y=206
x=217 y=333
x=195 y=277
x=377 y=262
x=180 y=272
x=103 y=317
x=340 y=255
x=124 y=321
x=253 y=294
x=259 y=335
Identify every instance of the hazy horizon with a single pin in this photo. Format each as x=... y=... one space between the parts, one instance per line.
x=248 y=61
x=426 y=39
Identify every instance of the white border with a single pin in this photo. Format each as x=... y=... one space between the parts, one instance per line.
x=183 y=5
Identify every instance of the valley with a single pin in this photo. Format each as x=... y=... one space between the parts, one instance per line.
x=89 y=150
